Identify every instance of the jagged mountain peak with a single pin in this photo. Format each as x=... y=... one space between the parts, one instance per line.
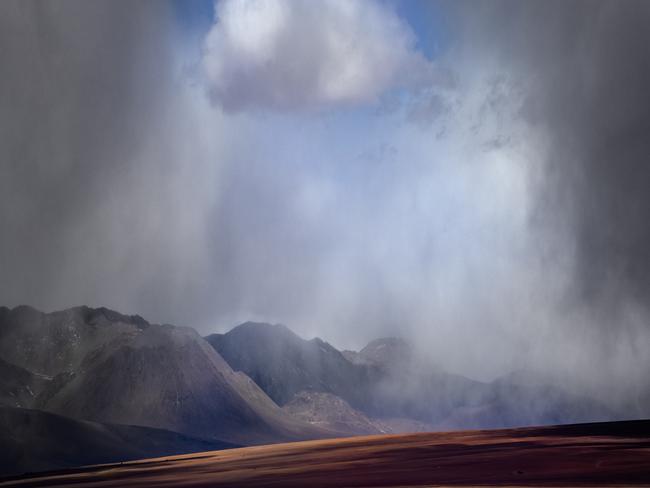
x=386 y=351
x=325 y=346
x=51 y=343
x=262 y=329
x=103 y=315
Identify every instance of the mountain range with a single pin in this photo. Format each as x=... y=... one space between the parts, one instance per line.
x=388 y=380
x=99 y=374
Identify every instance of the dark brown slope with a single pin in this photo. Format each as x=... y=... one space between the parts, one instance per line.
x=607 y=454
x=31 y=440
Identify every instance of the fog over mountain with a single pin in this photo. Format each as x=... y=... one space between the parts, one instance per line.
x=395 y=386
x=471 y=178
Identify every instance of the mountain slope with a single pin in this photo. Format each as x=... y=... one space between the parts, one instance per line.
x=19 y=387
x=33 y=440
x=168 y=377
x=114 y=368
x=283 y=364
x=331 y=412
x=334 y=413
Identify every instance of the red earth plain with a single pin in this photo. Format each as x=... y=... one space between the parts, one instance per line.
x=599 y=454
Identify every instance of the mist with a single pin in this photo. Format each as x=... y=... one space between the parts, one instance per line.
x=479 y=190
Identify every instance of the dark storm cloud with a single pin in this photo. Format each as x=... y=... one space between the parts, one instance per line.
x=80 y=83
x=585 y=66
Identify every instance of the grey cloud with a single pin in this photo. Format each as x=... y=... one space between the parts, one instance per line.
x=81 y=96
x=586 y=68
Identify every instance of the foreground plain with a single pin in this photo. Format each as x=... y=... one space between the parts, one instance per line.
x=600 y=454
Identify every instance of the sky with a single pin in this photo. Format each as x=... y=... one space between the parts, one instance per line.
x=469 y=176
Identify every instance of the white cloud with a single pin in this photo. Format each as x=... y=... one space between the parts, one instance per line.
x=284 y=54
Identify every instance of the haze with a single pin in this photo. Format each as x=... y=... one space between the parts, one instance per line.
x=472 y=177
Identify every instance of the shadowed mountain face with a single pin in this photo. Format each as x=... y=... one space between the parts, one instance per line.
x=19 y=387
x=283 y=364
x=32 y=440
x=168 y=377
x=118 y=369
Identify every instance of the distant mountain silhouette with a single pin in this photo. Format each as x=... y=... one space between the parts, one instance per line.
x=524 y=398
